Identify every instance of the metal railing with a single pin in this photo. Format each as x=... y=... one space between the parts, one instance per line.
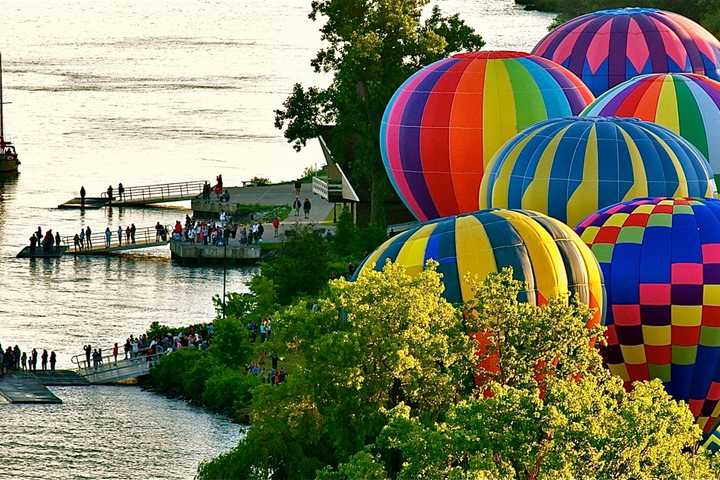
x=160 y=191
x=99 y=242
x=108 y=362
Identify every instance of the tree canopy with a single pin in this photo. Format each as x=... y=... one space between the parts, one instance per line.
x=384 y=389
x=371 y=47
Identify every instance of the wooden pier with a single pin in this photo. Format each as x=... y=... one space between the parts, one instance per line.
x=137 y=196
x=31 y=387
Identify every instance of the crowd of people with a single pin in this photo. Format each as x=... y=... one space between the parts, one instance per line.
x=46 y=241
x=14 y=359
x=274 y=375
x=221 y=232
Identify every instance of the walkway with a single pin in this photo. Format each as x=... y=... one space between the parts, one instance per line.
x=109 y=371
x=271 y=195
x=142 y=195
x=145 y=237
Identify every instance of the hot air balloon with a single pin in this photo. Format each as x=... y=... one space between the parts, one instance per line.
x=686 y=103
x=447 y=120
x=661 y=262
x=568 y=168
x=544 y=253
x=606 y=48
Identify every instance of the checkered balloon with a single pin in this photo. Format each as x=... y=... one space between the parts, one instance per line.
x=661 y=261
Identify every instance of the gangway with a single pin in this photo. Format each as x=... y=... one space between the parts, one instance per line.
x=145 y=237
x=110 y=370
x=141 y=195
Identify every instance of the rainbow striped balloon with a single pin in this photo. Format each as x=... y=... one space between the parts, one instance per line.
x=686 y=103
x=543 y=252
x=568 y=168
x=606 y=48
x=661 y=263
x=447 y=120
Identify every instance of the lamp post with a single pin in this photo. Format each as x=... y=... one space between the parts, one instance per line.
x=224 y=273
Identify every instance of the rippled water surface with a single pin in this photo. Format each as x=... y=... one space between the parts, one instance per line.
x=143 y=92
x=109 y=432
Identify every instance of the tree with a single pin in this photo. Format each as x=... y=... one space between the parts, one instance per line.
x=372 y=47
x=577 y=421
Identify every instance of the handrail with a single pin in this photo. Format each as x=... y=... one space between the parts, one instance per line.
x=161 y=190
x=144 y=235
x=82 y=364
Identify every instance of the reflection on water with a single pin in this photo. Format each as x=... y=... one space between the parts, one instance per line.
x=109 y=432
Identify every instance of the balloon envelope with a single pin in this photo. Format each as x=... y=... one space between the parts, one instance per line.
x=607 y=47
x=543 y=252
x=686 y=103
x=447 y=120
x=568 y=168
x=661 y=263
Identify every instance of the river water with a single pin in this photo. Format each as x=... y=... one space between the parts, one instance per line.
x=143 y=92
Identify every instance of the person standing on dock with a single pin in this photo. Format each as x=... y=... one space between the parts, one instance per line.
x=33 y=244
x=88 y=239
x=82 y=196
x=115 y=352
x=120 y=235
x=44 y=360
x=58 y=240
x=132 y=232
x=121 y=192
x=76 y=242
x=23 y=361
x=108 y=237
x=87 y=349
x=306 y=207
x=53 y=360
x=110 y=194
x=127 y=234
x=33 y=357
x=82 y=238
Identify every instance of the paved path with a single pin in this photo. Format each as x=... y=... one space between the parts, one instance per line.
x=282 y=194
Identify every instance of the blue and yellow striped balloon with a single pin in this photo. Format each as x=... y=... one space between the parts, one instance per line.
x=543 y=252
x=568 y=168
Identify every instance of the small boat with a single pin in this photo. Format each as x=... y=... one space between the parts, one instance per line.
x=8 y=156
x=39 y=252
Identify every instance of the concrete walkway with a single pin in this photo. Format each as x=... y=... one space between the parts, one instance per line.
x=283 y=194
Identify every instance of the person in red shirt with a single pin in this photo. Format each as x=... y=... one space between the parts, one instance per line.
x=276 y=225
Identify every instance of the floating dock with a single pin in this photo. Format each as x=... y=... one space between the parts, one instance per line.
x=90 y=203
x=25 y=387
x=40 y=252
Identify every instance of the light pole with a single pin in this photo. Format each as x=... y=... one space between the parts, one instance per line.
x=224 y=273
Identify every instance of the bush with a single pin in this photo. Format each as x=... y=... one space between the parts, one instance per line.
x=183 y=374
x=231 y=346
x=229 y=392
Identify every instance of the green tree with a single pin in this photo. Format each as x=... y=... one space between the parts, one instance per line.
x=384 y=340
x=372 y=47
x=577 y=421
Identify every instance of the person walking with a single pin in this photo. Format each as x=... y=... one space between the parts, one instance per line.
x=82 y=196
x=88 y=238
x=298 y=186
x=276 y=225
x=306 y=207
x=53 y=360
x=108 y=237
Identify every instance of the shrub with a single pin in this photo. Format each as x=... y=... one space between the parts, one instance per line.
x=229 y=392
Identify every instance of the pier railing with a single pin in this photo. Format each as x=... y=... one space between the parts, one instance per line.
x=98 y=241
x=110 y=369
x=162 y=191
